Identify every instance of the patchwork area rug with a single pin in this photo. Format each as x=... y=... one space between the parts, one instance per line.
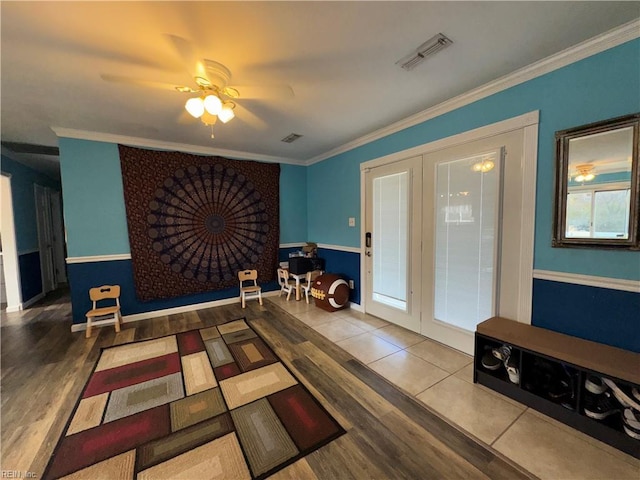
x=209 y=403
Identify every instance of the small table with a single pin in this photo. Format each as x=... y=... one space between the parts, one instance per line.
x=298 y=277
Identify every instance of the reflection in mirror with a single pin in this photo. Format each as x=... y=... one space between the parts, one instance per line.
x=597 y=183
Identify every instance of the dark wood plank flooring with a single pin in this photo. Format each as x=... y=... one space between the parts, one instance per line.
x=390 y=435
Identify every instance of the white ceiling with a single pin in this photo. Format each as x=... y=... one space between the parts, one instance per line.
x=339 y=58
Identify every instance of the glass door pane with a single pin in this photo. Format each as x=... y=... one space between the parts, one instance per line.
x=467 y=200
x=391 y=204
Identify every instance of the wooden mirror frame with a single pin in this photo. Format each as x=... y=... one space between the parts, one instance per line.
x=561 y=185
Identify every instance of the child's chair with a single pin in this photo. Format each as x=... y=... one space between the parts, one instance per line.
x=249 y=291
x=104 y=314
x=286 y=284
x=310 y=278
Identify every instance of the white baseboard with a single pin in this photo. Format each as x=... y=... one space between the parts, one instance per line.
x=357 y=307
x=14 y=308
x=136 y=317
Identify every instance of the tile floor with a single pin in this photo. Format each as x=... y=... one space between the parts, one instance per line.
x=442 y=378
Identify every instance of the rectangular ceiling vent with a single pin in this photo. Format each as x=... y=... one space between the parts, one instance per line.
x=291 y=138
x=428 y=48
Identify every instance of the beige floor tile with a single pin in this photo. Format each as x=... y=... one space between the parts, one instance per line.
x=398 y=336
x=367 y=347
x=409 y=372
x=313 y=318
x=366 y=322
x=292 y=306
x=475 y=410
x=338 y=330
x=444 y=357
x=465 y=373
x=597 y=443
x=552 y=453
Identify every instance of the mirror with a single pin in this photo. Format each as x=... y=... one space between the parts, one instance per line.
x=597 y=183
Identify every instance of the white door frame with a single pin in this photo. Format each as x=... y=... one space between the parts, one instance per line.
x=528 y=122
x=9 y=248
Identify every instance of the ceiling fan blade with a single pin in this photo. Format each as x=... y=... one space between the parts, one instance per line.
x=145 y=83
x=247 y=116
x=191 y=60
x=279 y=92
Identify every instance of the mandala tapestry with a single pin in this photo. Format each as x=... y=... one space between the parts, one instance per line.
x=195 y=221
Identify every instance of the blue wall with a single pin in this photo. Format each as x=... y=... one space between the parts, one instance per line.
x=92 y=182
x=83 y=276
x=602 y=86
x=23 y=180
x=599 y=314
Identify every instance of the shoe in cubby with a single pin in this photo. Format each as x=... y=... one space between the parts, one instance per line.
x=600 y=406
x=627 y=399
x=594 y=384
x=631 y=423
x=489 y=361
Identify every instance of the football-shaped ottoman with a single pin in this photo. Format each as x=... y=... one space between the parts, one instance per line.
x=331 y=292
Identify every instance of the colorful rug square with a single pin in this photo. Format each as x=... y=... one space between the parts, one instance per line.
x=214 y=402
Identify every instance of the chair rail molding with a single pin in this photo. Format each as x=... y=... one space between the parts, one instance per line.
x=588 y=280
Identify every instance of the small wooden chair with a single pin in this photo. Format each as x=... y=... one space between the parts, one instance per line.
x=97 y=294
x=249 y=291
x=310 y=278
x=287 y=285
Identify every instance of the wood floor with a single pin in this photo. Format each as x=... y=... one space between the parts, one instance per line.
x=389 y=435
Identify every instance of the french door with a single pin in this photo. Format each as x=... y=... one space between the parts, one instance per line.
x=442 y=243
x=392 y=242
x=471 y=235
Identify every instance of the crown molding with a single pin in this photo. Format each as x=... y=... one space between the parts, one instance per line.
x=171 y=146
x=598 y=44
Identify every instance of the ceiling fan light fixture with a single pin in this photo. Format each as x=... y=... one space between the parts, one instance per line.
x=212 y=104
x=585 y=173
x=484 y=166
x=208 y=118
x=226 y=113
x=195 y=107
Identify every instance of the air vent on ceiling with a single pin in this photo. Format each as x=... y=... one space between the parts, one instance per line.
x=428 y=48
x=291 y=138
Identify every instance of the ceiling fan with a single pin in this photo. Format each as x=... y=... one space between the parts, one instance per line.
x=214 y=99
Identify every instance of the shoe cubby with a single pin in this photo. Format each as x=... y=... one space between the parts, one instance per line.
x=583 y=384
x=503 y=365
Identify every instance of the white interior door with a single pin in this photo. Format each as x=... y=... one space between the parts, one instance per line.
x=393 y=210
x=45 y=237
x=471 y=237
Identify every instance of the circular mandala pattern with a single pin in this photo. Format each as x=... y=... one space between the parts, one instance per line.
x=207 y=222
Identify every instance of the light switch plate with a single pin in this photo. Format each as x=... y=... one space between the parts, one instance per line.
x=352 y=221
